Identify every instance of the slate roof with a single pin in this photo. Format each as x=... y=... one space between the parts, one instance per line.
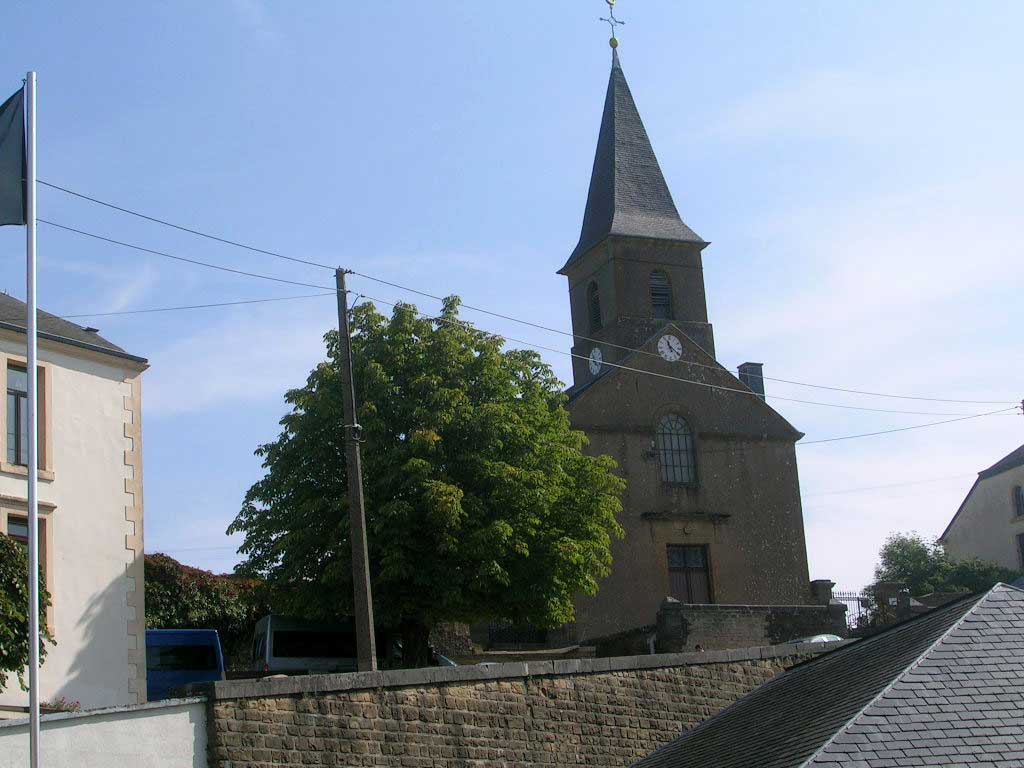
x=1012 y=460
x=945 y=688
x=628 y=194
x=13 y=314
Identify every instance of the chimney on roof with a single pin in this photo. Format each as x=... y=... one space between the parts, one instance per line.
x=90 y=329
x=752 y=375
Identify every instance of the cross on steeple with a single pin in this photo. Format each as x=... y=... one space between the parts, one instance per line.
x=612 y=22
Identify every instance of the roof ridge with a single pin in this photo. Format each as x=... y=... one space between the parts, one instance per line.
x=888 y=687
x=1012 y=460
x=620 y=365
x=13 y=317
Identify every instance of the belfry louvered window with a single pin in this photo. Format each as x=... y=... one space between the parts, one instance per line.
x=661 y=295
x=594 y=307
x=673 y=442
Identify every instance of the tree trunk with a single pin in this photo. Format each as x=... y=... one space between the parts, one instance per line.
x=416 y=645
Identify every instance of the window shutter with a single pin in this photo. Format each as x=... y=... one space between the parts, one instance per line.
x=661 y=295
x=594 y=307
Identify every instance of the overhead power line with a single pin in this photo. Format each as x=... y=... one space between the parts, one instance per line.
x=741 y=391
x=719 y=387
x=198 y=263
x=685 y=362
x=196 y=306
x=510 y=318
x=887 y=486
x=907 y=429
x=181 y=228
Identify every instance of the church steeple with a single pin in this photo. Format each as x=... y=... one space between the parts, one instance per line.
x=628 y=195
x=637 y=266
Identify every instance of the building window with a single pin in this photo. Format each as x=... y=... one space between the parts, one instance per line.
x=1020 y=549
x=17 y=415
x=688 y=574
x=594 y=307
x=1018 y=500
x=661 y=295
x=17 y=529
x=673 y=443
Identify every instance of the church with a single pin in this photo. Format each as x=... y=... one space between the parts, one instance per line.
x=711 y=512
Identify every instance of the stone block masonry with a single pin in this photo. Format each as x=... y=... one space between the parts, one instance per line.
x=682 y=627
x=592 y=712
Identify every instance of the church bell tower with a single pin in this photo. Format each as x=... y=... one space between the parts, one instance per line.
x=637 y=265
x=711 y=511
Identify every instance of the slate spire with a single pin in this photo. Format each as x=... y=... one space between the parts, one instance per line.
x=628 y=194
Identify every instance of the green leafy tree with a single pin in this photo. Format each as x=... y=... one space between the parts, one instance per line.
x=14 y=638
x=924 y=567
x=480 y=500
x=181 y=597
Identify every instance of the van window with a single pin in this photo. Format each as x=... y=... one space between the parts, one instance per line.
x=257 y=647
x=297 y=644
x=178 y=657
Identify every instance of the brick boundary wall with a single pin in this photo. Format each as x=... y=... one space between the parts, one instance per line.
x=592 y=712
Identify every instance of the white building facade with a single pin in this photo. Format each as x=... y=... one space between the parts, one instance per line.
x=90 y=506
x=990 y=521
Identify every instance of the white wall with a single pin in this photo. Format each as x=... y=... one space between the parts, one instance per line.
x=987 y=526
x=169 y=734
x=88 y=556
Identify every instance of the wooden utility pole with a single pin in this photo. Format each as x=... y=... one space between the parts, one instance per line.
x=366 y=644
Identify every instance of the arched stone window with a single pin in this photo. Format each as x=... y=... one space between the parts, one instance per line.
x=673 y=442
x=594 y=307
x=661 y=295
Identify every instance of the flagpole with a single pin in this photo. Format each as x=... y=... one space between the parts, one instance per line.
x=33 y=380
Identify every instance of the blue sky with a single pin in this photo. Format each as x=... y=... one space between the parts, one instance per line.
x=855 y=166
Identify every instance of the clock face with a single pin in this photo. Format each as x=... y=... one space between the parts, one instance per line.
x=670 y=347
x=595 y=360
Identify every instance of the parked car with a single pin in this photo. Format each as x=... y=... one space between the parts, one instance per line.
x=177 y=657
x=825 y=638
x=290 y=646
x=285 y=645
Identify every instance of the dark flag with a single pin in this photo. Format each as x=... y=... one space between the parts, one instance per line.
x=12 y=160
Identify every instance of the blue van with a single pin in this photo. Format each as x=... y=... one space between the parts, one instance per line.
x=177 y=657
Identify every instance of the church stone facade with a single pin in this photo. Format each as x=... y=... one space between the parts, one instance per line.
x=712 y=506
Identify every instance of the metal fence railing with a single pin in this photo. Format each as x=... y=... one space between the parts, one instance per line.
x=858 y=607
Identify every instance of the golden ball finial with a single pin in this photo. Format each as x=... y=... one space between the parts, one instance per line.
x=614 y=42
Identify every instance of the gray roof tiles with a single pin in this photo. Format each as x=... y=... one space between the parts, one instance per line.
x=1012 y=460
x=628 y=194
x=13 y=316
x=946 y=686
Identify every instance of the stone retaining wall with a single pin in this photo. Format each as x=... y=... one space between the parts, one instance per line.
x=593 y=712
x=683 y=627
